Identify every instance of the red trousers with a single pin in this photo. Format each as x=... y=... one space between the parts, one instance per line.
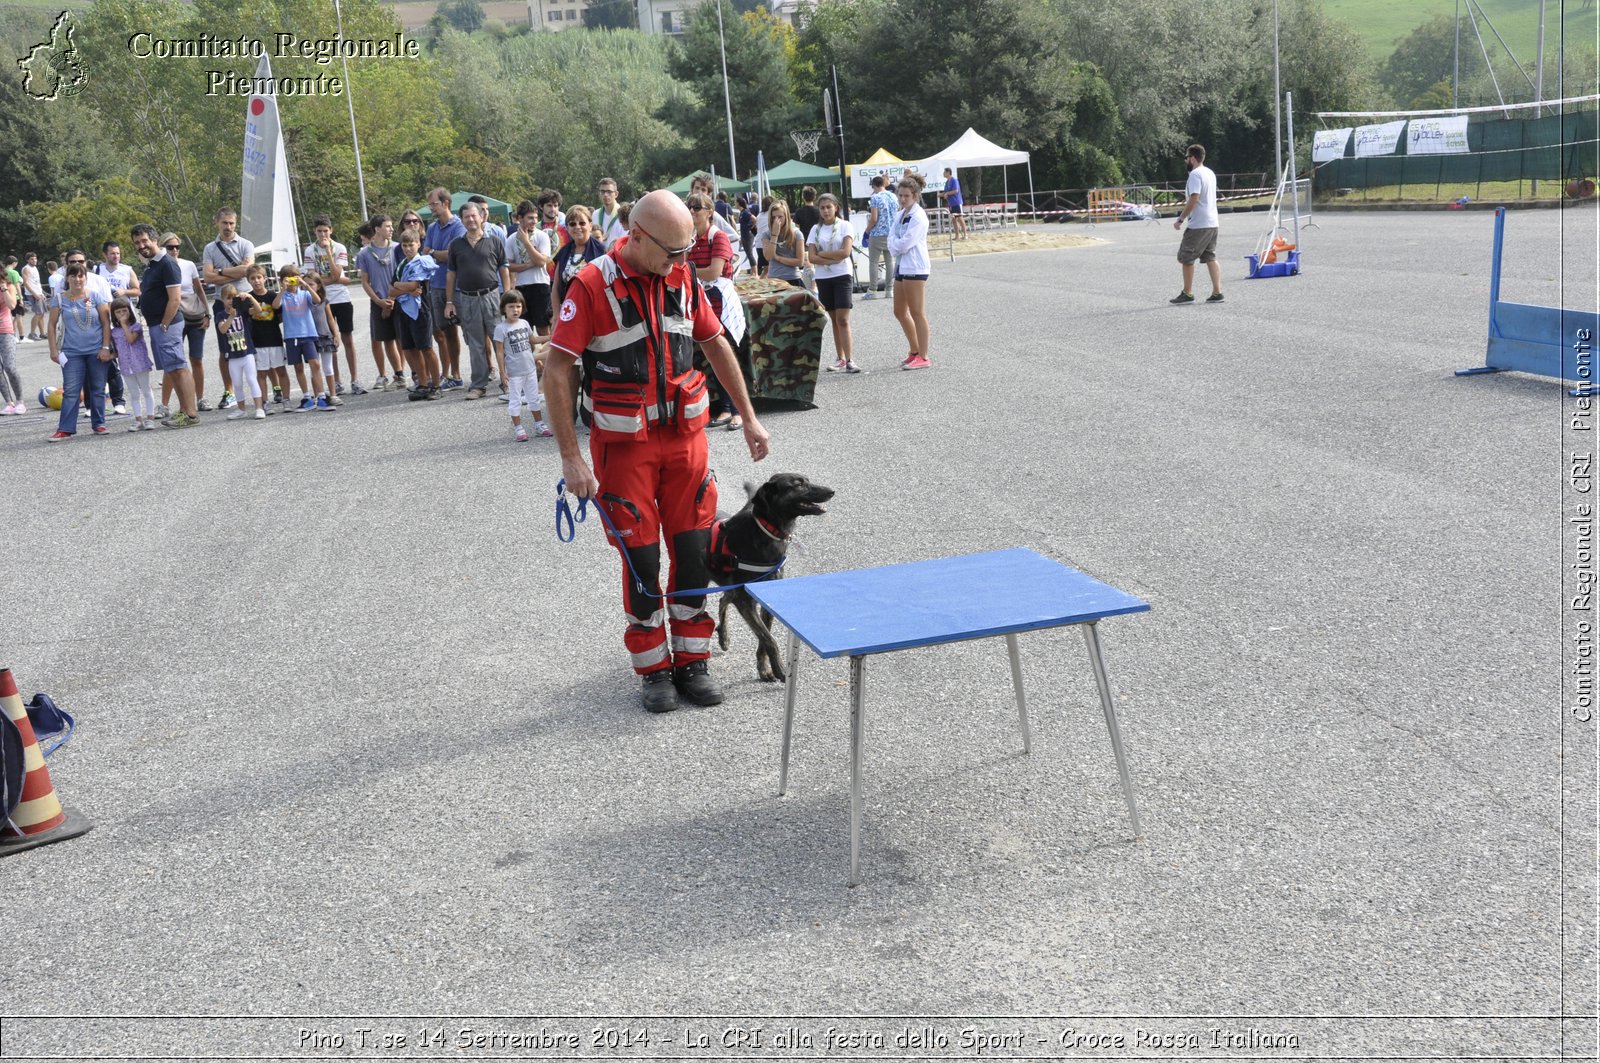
x=661 y=487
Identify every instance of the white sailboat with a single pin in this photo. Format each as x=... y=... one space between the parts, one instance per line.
x=266 y=208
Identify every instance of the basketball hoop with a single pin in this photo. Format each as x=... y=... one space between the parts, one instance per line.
x=806 y=140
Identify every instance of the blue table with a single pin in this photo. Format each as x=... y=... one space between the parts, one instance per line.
x=927 y=603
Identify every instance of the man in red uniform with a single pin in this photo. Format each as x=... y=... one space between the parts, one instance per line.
x=633 y=318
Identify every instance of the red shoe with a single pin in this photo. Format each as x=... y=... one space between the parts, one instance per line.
x=916 y=361
x=101 y=430
x=59 y=435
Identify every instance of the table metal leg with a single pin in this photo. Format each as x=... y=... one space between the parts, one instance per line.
x=858 y=705
x=1022 y=702
x=790 y=689
x=1092 y=637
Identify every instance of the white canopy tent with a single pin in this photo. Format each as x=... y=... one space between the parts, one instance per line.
x=974 y=150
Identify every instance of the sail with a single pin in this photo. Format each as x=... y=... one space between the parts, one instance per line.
x=266 y=209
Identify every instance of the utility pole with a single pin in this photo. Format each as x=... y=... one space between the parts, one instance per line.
x=350 y=101
x=1538 y=77
x=727 y=98
x=1277 y=94
x=838 y=133
x=1455 y=76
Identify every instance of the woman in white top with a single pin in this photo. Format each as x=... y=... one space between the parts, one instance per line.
x=908 y=243
x=829 y=247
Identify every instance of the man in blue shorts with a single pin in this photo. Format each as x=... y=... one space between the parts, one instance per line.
x=160 y=295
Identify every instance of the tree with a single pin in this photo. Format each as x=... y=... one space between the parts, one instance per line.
x=42 y=156
x=913 y=74
x=185 y=143
x=596 y=96
x=1167 y=64
x=610 y=15
x=1426 y=56
x=763 y=103
x=1080 y=156
x=1324 y=66
x=105 y=211
x=465 y=15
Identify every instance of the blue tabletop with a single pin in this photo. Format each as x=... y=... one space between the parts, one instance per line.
x=924 y=603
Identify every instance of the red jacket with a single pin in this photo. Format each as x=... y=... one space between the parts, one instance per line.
x=636 y=334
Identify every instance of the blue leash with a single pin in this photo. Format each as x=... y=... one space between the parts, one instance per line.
x=564 y=515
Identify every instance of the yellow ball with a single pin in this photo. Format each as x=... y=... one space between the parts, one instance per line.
x=53 y=399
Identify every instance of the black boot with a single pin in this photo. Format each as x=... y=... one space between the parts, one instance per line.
x=694 y=682
x=659 y=693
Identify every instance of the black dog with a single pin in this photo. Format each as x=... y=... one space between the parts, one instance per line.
x=754 y=541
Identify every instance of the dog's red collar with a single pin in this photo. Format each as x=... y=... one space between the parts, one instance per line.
x=771 y=530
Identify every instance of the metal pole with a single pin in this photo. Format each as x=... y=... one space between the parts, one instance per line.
x=1277 y=94
x=349 y=98
x=1294 y=183
x=727 y=98
x=1538 y=77
x=1538 y=88
x=1455 y=76
x=838 y=131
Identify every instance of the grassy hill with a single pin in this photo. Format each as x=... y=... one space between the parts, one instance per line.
x=1382 y=23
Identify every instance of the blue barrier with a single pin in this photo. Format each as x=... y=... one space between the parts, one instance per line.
x=1542 y=340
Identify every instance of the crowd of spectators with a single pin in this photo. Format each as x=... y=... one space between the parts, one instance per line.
x=430 y=285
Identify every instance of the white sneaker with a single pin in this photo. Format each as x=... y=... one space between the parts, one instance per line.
x=869 y=295
x=150 y=424
x=22 y=407
x=239 y=414
x=133 y=425
x=161 y=412
x=261 y=413
x=119 y=409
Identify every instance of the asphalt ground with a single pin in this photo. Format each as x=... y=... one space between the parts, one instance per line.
x=358 y=735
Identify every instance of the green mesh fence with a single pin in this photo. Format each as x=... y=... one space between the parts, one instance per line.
x=1557 y=147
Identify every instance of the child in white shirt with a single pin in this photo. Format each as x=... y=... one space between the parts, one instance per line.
x=513 y=344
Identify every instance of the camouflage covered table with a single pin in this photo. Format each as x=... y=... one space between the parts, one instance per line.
x=785 y=339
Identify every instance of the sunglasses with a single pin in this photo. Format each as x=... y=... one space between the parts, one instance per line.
x=173 y=247
x=672 y=253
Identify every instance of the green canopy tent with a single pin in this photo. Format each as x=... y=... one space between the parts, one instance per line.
x=681 y=187
x=794 y=172
x=499 y=209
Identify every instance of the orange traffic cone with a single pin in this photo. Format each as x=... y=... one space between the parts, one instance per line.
x=1279 y=245
x=39 y=818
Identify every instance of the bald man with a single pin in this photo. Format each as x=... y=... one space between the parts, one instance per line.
x=633 y=317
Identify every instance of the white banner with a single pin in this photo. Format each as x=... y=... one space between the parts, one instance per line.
x=861 y=176
x=1378 y=139
x=1437 y=136
x=1329 y=144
